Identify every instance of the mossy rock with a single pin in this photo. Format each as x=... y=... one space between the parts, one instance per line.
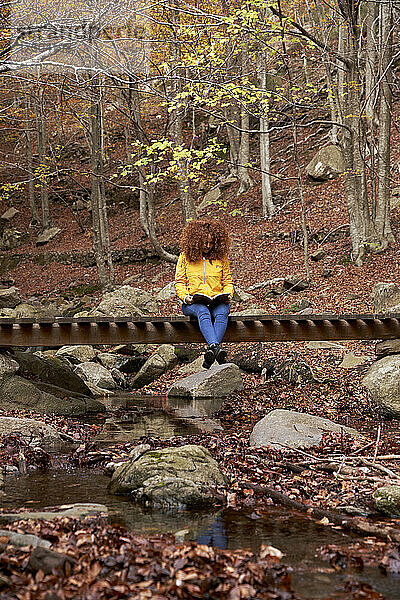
x=387 y=500
x=169 y=477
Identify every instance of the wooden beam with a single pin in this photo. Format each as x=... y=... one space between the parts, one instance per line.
x=61 y=331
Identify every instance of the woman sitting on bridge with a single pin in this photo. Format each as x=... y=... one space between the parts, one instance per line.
x=203 y=281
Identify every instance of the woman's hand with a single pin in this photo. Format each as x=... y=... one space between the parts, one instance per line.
x=188 y=299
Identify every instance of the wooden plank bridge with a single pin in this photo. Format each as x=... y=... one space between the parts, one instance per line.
x=63 y=331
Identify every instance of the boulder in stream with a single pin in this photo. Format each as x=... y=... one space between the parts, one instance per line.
x=387 y=500
x=172 y=477
x=217 y=382
x=17 y=393
x=23 y=539
x=96 y=375
x=383 y=382
x=35 y=433
x=288 y=428
x=51 y=370
x=161 y=361
x=79 y=510
x=77 y=354
x=8 y=366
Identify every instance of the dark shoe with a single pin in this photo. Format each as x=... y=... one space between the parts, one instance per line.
x=209 y=357
x=220 y=355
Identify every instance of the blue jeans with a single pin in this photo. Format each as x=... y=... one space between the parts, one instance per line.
x=212 y=321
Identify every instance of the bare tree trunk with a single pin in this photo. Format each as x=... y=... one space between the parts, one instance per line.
x=42 y=147
x=353 y=145
x=152 y=228
x=185 y=195
x=101 y=241
x=382 y=218
x=133 y=101
x=246 y=182
x=295 y=146
x=370 y=62
x=333 y=103
x=267 y=200
x=371 y=94
x=231 y=116
x=29 y=161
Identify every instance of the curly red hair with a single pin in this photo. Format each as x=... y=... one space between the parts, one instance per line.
x=196 y=233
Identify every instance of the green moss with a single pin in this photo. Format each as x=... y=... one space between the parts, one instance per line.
x=80 y=290
x=154 y=454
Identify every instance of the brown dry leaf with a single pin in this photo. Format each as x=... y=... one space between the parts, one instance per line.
x=39 y=576
x=144 y=584
x=94 y=570
x=270 y=551
x=241 y=592
x=84 y=538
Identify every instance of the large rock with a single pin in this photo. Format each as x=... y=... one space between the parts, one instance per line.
x=286 y=428
x=47 y=235
x=295 y=283
x=167 y=292
x=109 y=360
x=383 y=382
x=172 y=477
x=96 y=375
x=8 y=366
x=387 y=500
x=22 y=539
x=12 y=238
x=387 y=347
x=17 y=393
x=350 y=361
x=161 y=361
x=327 y=164
x=9 y=214
x=194 y=367
x=211 y=197
x=386 y=297
x=240 y=295
x=132 y=364
x=9 y=297
x=217 y=382
x=35 y=433
x=28 y=310
x=75 y=511
x=51 y=370
x=325 y=345
x=127 y=301
x=77 y=354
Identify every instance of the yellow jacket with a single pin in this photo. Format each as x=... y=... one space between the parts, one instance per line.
x=204 y=276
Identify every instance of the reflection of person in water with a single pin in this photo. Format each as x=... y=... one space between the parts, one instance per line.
x=203 y=268
x=215 y=535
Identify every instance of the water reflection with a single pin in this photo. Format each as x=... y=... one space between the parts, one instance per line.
x=158 y=416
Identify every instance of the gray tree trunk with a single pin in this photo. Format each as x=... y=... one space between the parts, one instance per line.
x=184 y=191
x=268 y=207
x=42 y=155
x=29 y=161
x=101 y=241
x=382 y=217
x=246 y=182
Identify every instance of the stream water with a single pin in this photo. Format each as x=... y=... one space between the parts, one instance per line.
x=297 y=536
